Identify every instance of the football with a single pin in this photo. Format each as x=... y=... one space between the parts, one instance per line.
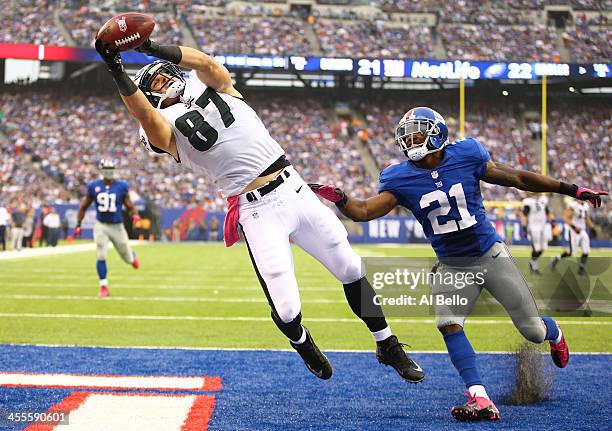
x=126 y=31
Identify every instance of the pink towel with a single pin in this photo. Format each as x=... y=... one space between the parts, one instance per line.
x=230 y=226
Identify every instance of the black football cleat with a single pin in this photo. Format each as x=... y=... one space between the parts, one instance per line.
x=316 y=362
x=476 y=409
x=554 y=262
x=391 y=352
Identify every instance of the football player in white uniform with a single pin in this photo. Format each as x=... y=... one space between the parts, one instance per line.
x=577 y=218
x=535 y=215
x=204 y=123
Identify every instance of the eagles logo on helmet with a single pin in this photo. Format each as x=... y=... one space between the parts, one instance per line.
x=421 y=120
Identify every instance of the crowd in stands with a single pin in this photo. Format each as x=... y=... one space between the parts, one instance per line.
x=373 y=39
x=30 y=24
x=55 y=140
x=579 y=144
x=501 y=43
x=590 y=39
x=245 y=35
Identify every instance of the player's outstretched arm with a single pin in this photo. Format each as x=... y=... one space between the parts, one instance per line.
x=497 y=173
x=356 y=209
x=211 y=73
x=156 y=127
x=81 y=214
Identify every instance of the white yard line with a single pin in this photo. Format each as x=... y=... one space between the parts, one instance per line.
x=27 y=253
x=266 y=319
x=262 y=300
x=242 y=349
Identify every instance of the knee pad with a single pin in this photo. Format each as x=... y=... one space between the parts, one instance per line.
x=286 y=312
x=352 y=271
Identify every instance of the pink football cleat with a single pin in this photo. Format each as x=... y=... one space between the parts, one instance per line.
x=103 y=292
x=135 y=263
x=560 y=352
x=476 y=409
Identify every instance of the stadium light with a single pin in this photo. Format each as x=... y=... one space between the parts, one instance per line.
x=572 y=90
x=505 y=92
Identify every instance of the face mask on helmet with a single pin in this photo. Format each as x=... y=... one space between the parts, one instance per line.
x=107 y=168
x=421 y=122
x=146 y=76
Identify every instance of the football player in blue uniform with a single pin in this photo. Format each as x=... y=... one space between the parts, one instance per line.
x=440 y=184
x=110 y=195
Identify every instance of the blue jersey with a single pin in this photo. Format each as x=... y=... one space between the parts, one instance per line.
x=108 y=199
x=447 y=200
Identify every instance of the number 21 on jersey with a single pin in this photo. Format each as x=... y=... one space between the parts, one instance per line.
x=456 y=191
x=107 y=202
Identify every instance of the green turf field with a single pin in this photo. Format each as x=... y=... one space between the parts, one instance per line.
x=205 y=295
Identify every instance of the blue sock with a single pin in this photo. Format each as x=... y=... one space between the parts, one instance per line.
x=101 y=267
x=463 y=357
x=552 y=330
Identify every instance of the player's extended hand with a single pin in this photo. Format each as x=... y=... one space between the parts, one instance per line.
x=330 y=192
x=148 y=47
x=136 y=219
x=593 y=196
x=77 y=232
x=111 y=57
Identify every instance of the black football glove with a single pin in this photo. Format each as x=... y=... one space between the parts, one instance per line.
x=149 y=47
x=111 y=57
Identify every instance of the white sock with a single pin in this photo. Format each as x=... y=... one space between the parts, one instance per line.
x=558 y=339
x=103 y=282
x=478 y=391
x=534 y=264
x=382 y=335
x=302 y=338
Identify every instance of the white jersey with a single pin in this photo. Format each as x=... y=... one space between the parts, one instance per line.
x=581 y=212
x=220 y=136
x=537 y=212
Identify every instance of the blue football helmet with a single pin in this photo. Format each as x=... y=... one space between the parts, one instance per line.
x=421 y=120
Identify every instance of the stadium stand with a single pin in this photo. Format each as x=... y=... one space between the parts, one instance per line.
x=501 y=43
x=250 y=35
x=30 y=23
x=373 y=39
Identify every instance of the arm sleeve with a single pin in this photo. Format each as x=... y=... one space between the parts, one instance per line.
x=90 y=190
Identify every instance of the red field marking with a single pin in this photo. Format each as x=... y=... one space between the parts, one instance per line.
x=68 y=404
x=197 y=419
x=200 y=414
